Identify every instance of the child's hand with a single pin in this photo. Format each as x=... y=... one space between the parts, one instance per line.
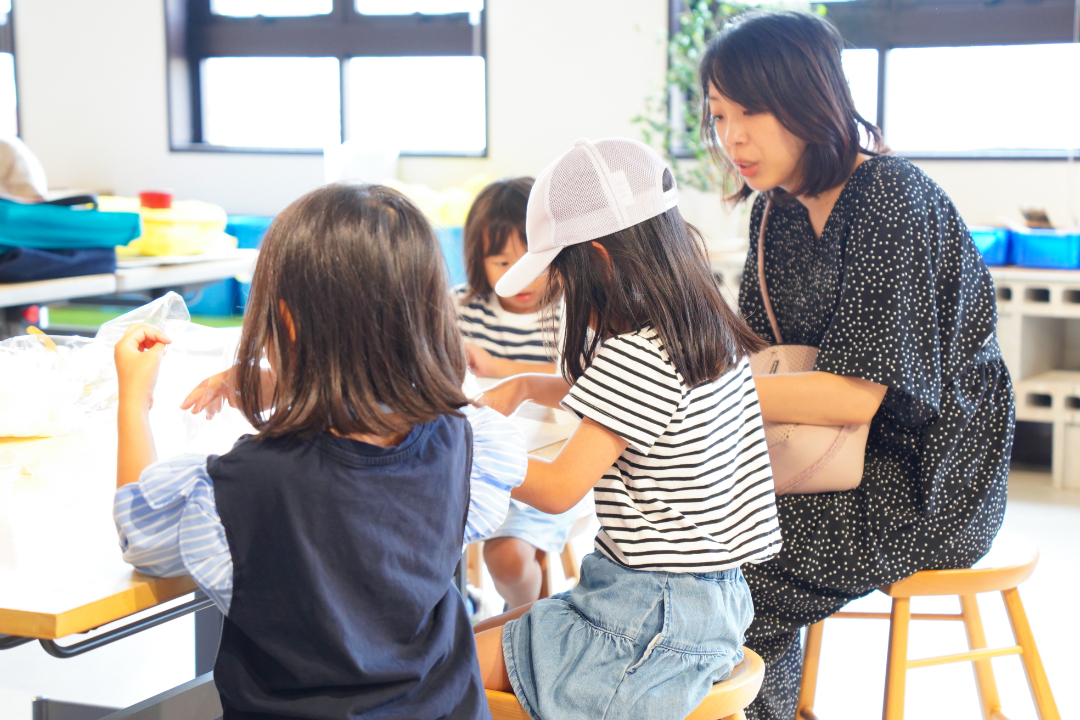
x=211 y=394
x=138 y=357
x=505 y=397
x=481 y=362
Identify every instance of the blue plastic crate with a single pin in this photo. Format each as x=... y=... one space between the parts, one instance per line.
x=219 y=298
x=993 y=244
x=1051 y=249
x=248 y=229
x=452 y=240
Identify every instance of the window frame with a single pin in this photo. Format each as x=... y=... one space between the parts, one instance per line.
x=193 y=33
x=7 y=45
x=886 y=25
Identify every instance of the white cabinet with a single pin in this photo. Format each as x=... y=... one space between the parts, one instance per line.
x=1039 y=333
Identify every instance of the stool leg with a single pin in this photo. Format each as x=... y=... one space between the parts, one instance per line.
x=984 y=673
x=545 y=573
x=1033 y=667
x=570 y=563
x=896 y=671
x=808 y=686
x=474 y=559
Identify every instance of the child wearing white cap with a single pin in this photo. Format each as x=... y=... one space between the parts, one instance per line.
x=656 y=366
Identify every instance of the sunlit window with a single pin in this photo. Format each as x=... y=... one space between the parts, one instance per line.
x=861 y=68
x=424 y=105
x=425 y=7
x=287 y=102
x=983 y=99
x=271 y=8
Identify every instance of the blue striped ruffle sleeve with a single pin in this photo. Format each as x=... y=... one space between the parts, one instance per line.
x=169 y=525
x=499 y=465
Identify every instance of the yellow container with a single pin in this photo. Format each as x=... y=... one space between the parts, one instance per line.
x=189 y=227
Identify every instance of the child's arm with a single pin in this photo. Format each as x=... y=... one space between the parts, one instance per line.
x=484 y=364
x=818 y=398
x=505 y=397
x=138 y=357
x=556 y=486
x=213 y=392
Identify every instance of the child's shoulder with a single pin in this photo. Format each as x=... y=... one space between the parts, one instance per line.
x=638 y=350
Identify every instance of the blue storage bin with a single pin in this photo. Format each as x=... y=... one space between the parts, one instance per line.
x=993 y=244
x=452 y=240
x=219 y=299
x=248 y=229
x=1051 y=249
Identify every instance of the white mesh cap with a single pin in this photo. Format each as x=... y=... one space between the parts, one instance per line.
x=596 y=189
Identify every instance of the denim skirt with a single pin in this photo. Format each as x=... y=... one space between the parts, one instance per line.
x=626 y=644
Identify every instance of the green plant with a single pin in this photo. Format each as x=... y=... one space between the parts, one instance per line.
x=672 y=119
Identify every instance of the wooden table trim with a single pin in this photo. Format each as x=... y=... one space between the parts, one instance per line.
x=146 y=593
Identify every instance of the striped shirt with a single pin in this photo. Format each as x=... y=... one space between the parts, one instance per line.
x=514 y=336
x=169 y=524
x=693 y=491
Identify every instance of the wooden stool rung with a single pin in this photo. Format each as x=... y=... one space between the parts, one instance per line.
x=982 y=654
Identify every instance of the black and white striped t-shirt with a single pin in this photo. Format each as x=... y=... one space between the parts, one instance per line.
x=514 y=336
x=693 y=491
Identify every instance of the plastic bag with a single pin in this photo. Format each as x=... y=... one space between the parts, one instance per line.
x=49 y=392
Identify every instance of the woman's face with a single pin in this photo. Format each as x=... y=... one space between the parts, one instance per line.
x=766 y=153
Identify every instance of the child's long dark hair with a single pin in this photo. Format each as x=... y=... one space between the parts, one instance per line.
x=497 y=213
x=659 y=276
x=376 y=347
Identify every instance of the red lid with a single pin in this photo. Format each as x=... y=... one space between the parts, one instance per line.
x=156 y=200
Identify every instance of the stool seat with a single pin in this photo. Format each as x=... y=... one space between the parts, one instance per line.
x=1010 y=562
x=727 y=699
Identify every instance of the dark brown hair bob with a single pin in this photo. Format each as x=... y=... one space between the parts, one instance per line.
x=659 y=276
x=497 y=213
x=377 y=350
x=788 y=64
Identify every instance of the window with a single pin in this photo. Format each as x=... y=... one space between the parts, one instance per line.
x=966 y=78
x=299 y=75
x=9 y=116
x=961 y=78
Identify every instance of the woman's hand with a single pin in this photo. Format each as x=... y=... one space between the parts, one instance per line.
x=138 y=357
x=212 y=394
x=505 y=397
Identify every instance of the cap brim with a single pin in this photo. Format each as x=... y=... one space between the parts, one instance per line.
x=524 y=271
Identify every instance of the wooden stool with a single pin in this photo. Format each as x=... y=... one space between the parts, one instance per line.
x=725 y=701
x=1010 y=562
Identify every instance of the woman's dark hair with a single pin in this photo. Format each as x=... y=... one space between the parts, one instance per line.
x=659 y=276
x=497 y=213
x=788 y=64
x=376 y=350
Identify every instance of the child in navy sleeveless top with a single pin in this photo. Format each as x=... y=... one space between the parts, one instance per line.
x=329 y=540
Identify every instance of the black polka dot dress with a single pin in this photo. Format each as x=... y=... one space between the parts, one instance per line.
x=894 y=291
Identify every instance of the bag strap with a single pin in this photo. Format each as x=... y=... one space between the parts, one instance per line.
x=761 y=273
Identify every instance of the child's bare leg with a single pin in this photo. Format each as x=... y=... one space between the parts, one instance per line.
x=492 y=664
x=515 y=567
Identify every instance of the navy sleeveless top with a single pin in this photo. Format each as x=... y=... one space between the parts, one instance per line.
x=343 y=557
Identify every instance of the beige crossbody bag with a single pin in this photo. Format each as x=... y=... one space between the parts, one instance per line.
x=804 y=458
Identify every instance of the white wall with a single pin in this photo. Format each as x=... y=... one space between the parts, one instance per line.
x=93 y=107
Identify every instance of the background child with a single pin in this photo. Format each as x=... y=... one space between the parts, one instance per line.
x=504 y=337
x=330 y=539
x=655 y=364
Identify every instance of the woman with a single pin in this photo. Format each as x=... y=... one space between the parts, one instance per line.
x=868 y=260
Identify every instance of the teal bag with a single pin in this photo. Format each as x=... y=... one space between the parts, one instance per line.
x=58 y=227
